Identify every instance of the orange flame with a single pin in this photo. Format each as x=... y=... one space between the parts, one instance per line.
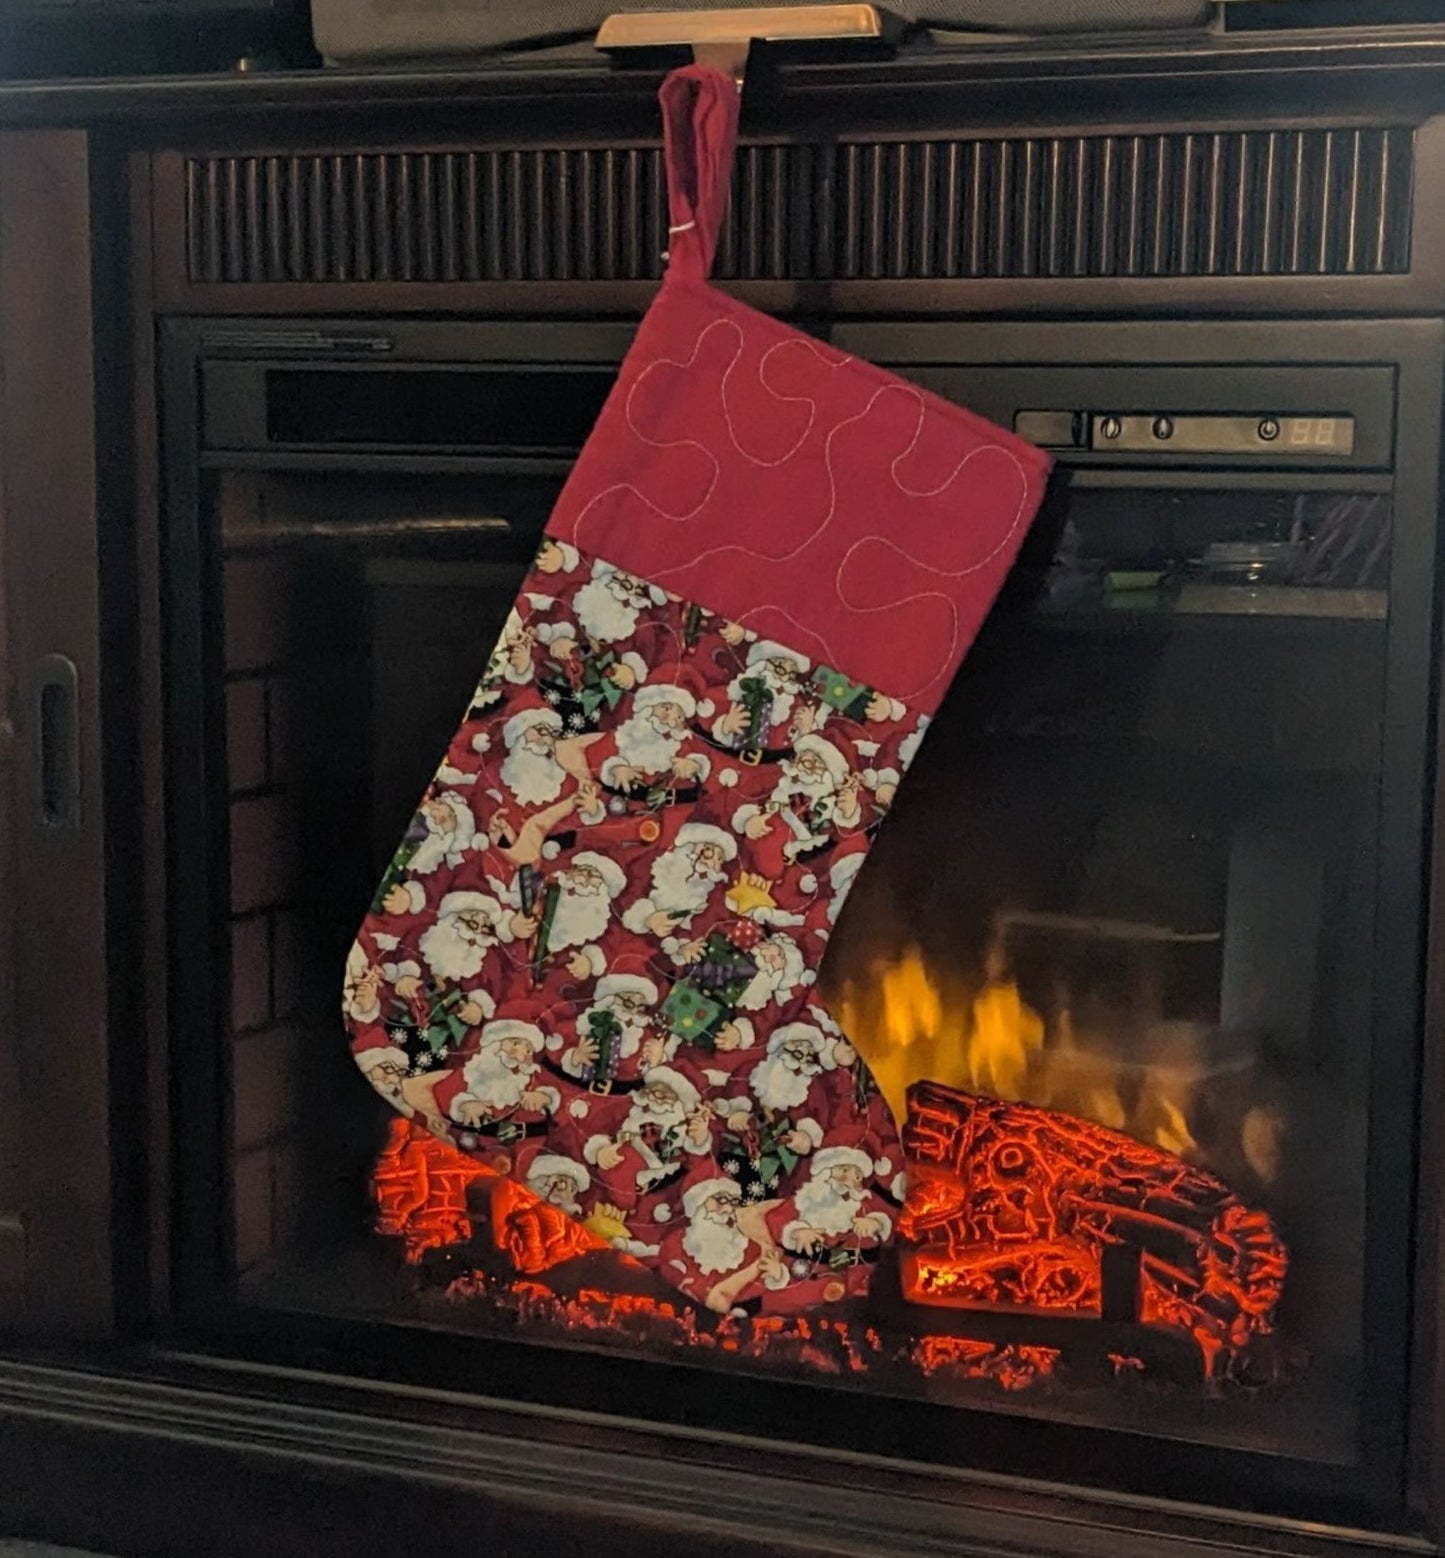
x=913 y=1023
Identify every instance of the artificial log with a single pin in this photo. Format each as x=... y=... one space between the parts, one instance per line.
x=1012 y=1204
x=420 y=1184
x=1024 y=1229
x=426 y=1193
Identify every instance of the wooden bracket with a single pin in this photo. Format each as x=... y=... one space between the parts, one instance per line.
x=723 y=38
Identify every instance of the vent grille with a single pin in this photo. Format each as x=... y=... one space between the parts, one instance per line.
x=1244 y=203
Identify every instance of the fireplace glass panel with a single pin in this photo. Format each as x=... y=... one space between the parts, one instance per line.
x=1123 y=914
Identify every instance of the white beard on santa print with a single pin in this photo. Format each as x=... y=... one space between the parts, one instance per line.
x=776 y=1085
x=451 y=837
x=581 y=915
x=715 y=1242
x=494 y=1080
x=534 y=778
x=601 y=614
x=644 y=744
x=632 y=1025
x=770 y=983
x=453 y=950
x=677 y=884
x=824 y=1203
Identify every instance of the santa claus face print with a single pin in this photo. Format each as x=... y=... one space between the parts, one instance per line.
x=807 y=771
x=609 y=604
x=516 y=1051
x=713 y=1238
x=450 y=828
x=456 y=947
x=780 y=971
x=783 y=1078
x=781 y=674
x=707 y=863
x=659 y=1100
x=583 y=908
x=557 y=1190
x=386 y=1076
x=531 y=770
x=584 y=881
x=800 y=1057
x=477 y=927
x=439 y=815
x=720 y=1207
x=471 y=928
x=650 y=742
x=517 y=656
x=628 y=1004
x=847 y=1180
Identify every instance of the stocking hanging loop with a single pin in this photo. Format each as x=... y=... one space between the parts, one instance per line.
x=700 y=127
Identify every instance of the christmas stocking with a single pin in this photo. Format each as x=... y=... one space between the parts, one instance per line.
x=590 y=963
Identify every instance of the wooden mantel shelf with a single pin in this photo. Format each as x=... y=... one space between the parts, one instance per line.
x=1403 y=66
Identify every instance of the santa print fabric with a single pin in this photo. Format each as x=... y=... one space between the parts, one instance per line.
x=590 y=961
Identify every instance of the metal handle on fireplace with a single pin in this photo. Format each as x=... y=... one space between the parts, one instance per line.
x=243 y=539
x=56 y=710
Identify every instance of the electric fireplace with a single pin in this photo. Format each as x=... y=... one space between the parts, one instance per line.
x=1137 y=956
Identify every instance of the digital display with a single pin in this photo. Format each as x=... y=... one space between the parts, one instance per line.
x=1314 y=433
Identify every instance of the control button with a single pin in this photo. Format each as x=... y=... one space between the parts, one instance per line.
x=1268 y=429
x=1110 y=427
x=1163 y=427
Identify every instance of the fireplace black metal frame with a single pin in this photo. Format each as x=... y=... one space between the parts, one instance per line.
x=1264 y=363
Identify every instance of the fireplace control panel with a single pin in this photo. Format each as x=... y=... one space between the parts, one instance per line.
x=1159 y=432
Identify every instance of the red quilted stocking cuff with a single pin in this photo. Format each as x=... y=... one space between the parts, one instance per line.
x=818 y=500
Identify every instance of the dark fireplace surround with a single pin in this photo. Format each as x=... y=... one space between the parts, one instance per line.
x=1045 y=191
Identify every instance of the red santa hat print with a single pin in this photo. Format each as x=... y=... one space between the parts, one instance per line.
x=684 y=689
x=549 y=1165
x=380 y=1055
x=829 y=755
x=510 y=1028
x=795 y=1034
x=826 y=1159
x=624 y=982
x=520 y=724
x=853 y=1146
x=767 y=649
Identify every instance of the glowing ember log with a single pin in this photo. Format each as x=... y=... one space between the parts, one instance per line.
x=420 y=1185
x=1012 y=1204
x=1015 y=1368
x=533 y=1234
